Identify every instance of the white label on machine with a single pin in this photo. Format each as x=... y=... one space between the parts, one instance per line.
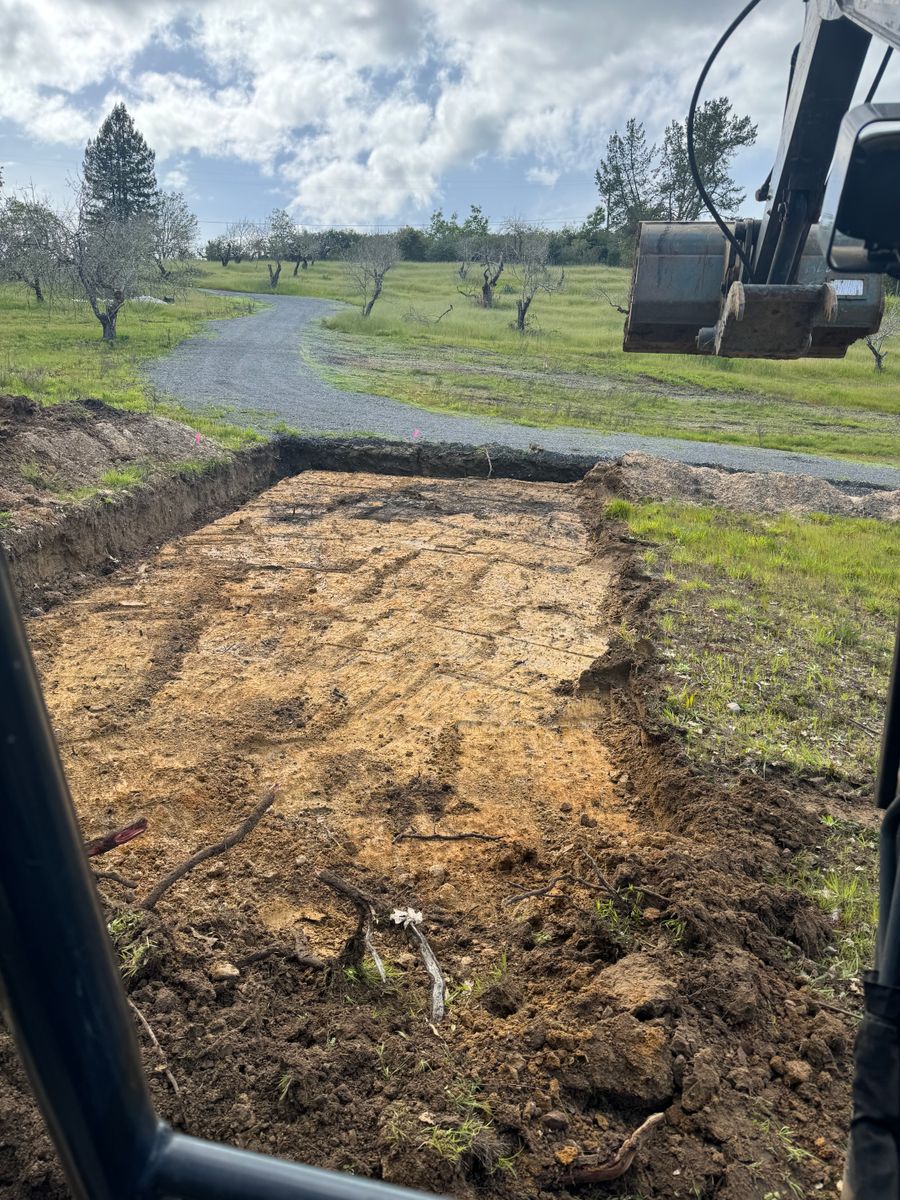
x=848 y=287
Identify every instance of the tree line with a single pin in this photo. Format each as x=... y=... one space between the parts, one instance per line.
x=122 y=235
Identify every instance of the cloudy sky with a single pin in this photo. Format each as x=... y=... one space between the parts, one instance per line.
x=370 y=112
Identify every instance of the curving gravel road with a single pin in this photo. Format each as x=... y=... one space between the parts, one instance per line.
x=253 y=365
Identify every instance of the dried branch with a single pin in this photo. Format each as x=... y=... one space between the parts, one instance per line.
x=219 y=848
x=602 y=294
x=305 y=960
x=115 y=877
x=158 y=1048
x=586 y=1169
x=109 y=841
x=410 y=835
x=541 y=891
x=438 y=986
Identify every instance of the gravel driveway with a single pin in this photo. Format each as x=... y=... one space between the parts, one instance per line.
x=253 y=365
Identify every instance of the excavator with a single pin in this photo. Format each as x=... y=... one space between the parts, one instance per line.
x=805 y=280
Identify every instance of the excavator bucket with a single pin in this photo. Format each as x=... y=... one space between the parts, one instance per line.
x=687 y=298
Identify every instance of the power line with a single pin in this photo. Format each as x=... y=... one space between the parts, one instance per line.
x=387 y=225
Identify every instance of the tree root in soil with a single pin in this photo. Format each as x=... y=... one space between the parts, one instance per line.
x=586 y=1169
x=409 y=835
x=115 y=877
x=241 y=832
x=602 y=885
x=360 y=941
x=148 y=1028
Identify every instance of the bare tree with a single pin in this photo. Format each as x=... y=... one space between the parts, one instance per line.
x=306 y=247
x=491 y=260
x=514 y=231
x=112 y=259
x=532 y=271
x=492 y=269
x=890 y=326
x=175 y=231
x=31 y=244
x=368 y=261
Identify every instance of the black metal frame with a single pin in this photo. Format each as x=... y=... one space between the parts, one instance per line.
x=63 y=998
x=824 y=74
x=887 y=955
x=828 y=63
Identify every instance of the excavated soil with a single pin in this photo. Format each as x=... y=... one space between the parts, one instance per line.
x=437 y=657
x=643 y=477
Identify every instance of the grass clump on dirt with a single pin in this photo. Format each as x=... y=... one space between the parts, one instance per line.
x=841 y=877
x=569 y=369
x=777 y=630
x=131 y=942
x=122 y=477
x=53 y=353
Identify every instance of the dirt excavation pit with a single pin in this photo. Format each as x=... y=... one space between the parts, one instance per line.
x=421 y=657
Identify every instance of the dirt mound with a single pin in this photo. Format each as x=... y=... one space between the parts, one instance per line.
x=49 y=453
x=437 y=658
x=644 y=477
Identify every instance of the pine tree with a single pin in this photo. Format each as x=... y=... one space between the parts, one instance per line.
x=119 y=169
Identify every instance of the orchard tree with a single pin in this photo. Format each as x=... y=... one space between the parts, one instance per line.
x=482 y=291
x=32 y=245
x=175 y=230
x=218 y=249
x=307 y=246
x=491 y=270
x=111 y=259
x=238 y=237
x=118 y=170
x=337 y=243
x=533 y=272
x=281 y=234
x=368 y=261
x=258 y=242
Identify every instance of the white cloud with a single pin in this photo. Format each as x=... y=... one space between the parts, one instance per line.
x=545 y=176
x=361 y=107
x=175 y=179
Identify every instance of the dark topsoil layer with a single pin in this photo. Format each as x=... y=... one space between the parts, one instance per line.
x=680 y=993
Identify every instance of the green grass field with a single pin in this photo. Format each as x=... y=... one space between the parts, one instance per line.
x=54 y=352
x=570 y=368
x=790 y=618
